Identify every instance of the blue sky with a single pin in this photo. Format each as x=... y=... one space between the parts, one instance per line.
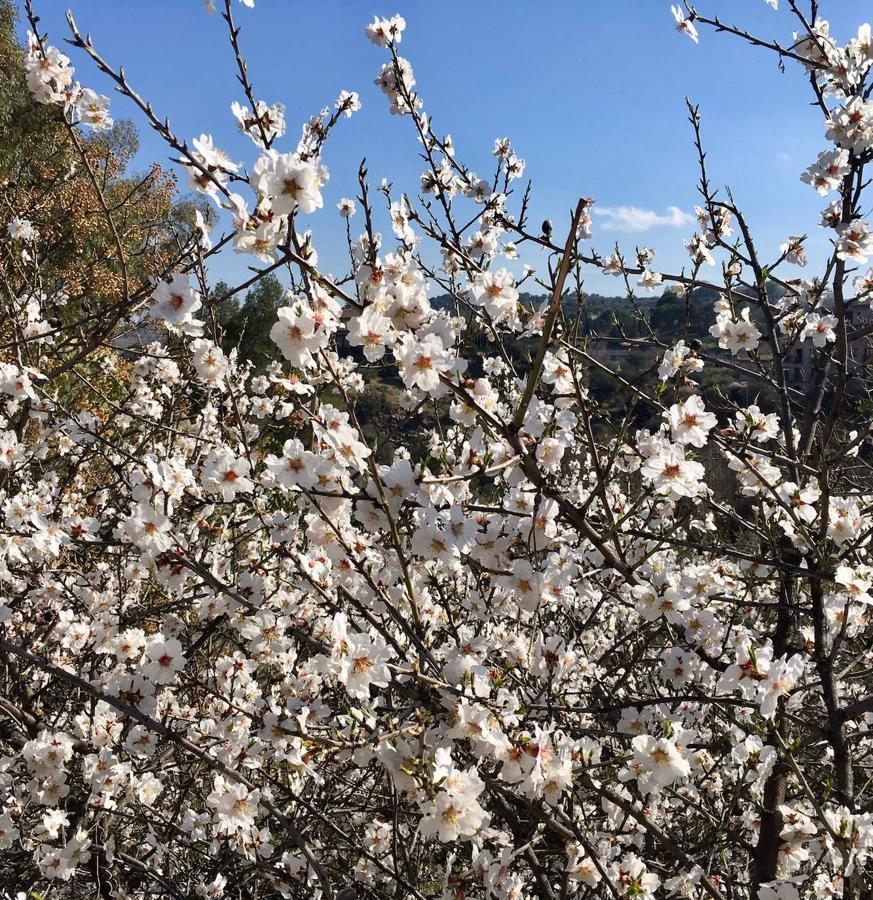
x=591 y=93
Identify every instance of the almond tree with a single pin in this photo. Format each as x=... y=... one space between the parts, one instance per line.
x=534 y=644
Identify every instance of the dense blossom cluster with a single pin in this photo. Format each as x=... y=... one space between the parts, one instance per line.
x=50 y=79
x=542 y=652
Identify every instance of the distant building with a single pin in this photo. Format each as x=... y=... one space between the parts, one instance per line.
x=799 y=365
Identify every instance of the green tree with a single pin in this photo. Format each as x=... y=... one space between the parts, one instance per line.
x=247 y=325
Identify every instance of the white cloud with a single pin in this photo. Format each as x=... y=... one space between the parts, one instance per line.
x=632 y=218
